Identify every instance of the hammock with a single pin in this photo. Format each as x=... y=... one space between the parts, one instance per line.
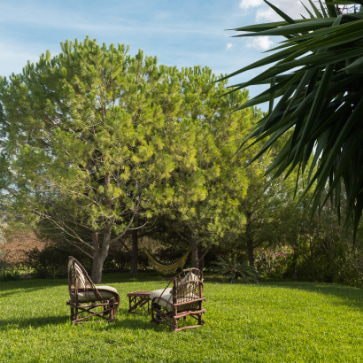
x=167 y=267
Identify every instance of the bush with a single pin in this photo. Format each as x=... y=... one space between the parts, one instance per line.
x=9 y=274
x=233 y=270
x=273 y=262
x=118 y=260
x=325 y=260
x=50 y=262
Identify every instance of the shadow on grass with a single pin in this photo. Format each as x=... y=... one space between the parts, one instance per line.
x=135 y=324
x=33 y=284
x=128 y=323
x=34 y=322
x=124 y=321
x=350 y=296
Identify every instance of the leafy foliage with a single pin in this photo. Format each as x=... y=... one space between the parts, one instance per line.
x=272 y=262
x=50 y=262
x=233 y=270
x=110 y=142
x=315 y=77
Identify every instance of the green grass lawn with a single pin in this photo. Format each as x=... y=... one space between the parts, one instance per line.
x=269 y=322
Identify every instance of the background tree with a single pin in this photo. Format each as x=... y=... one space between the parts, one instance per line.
x=218 y=133
x=84 y=139
x=315 y=76
x=101 y=144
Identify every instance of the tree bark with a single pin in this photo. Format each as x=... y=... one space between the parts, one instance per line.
x=134 y=253
x=294 y=263
x=250 y=247
x=250 y=252
x=195 y=255
x=97 y=267
x=101 y=247
x=201 y=259
x=100 y=253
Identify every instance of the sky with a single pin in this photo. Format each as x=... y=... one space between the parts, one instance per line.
x=181 y=33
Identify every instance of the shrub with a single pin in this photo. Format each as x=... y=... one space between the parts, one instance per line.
x=50 y=262
x=118 y=260
x=233 y=270
x=9 y=274
x=326 y=260
x=273 y=262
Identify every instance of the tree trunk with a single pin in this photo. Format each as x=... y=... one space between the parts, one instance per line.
x=202 y=255
x=201 y=259
x=250 y=247
x=294 y=260
x=100 y=253
x=195 y=255
x=97 y=267
x=250 y=252
x=134 y=254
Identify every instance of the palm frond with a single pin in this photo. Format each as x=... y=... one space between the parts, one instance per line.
x=315 y=78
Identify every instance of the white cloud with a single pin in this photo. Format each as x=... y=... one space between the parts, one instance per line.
x=261 y=43
x=229 y=45
x=246 y=4
x=292 y=8
x=14 y=58
x=266 y=14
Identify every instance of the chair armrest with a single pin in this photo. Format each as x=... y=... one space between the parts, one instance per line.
x=189 y=301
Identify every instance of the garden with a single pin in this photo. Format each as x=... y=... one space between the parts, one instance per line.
x=121 y=160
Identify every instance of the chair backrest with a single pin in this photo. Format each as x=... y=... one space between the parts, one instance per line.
x=188 y=285
x=79 y=281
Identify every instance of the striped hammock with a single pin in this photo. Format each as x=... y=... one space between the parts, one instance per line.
x=167 y=267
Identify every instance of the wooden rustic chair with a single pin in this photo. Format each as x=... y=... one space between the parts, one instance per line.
x=87 y=300
x=182 y=297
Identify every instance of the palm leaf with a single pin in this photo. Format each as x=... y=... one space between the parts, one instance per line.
x=315 y=78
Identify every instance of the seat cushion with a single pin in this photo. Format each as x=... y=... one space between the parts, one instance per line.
x=157 y=293
x=188 y=284
x=190 y=276
x=167 y=300
x=107 y=292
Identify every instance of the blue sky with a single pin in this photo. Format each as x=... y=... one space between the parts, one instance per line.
x=179 y=32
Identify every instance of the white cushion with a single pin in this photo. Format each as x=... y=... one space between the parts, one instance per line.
x=80 y=276
x=187 y=284
x=167 y=300
x=107 y=292
x=190 y=276
x=157 y=293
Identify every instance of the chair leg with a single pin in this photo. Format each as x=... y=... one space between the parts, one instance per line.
x=152 y=314
x=175 y=325
x=113 y=309
x=155 y=317
x=74 y=315
x=84 y=313
x=200 y=319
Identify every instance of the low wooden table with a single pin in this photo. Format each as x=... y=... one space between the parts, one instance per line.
x=138 y=301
